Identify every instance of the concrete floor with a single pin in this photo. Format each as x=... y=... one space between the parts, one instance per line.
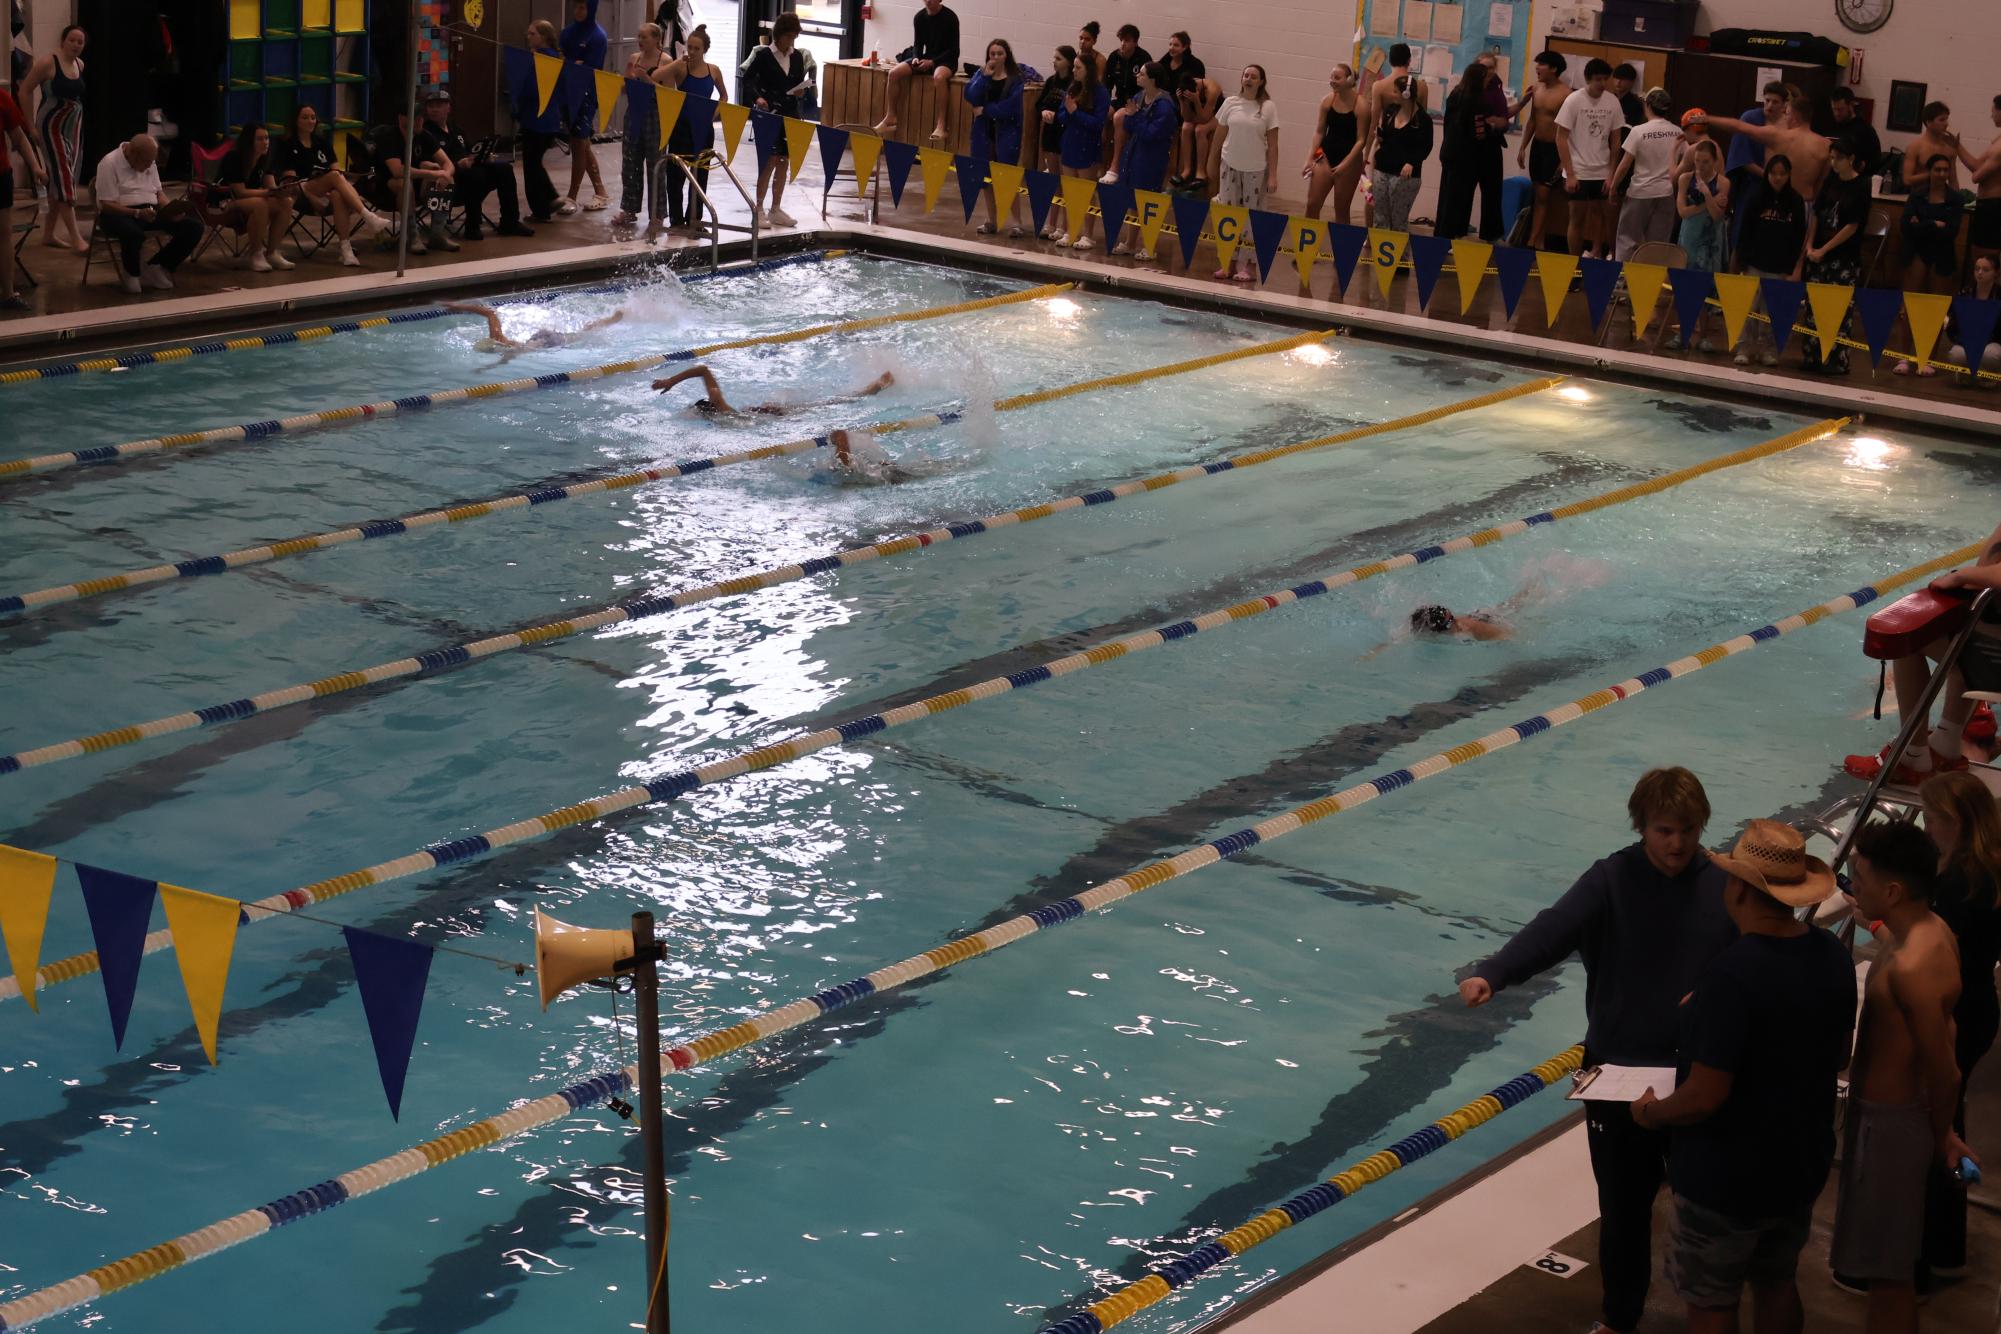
x=61 y=291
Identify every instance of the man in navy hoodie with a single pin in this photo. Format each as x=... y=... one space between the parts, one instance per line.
x=1647 y=920
x=584 y=45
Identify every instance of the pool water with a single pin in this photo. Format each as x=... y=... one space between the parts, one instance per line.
x=983 y=1147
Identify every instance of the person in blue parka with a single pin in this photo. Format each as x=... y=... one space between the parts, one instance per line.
x=995 y=93
x=584 y=46
x=1081 y=117
x=1151 y=124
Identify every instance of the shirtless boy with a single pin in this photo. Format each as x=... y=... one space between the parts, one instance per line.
x=1792 y=134
x=1904 y=1082
x=1936 y=139
x=1538 y=151
x=1984 y=236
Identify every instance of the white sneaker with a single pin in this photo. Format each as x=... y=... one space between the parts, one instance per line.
x=1110 y=178
x=157 y=278
x=417 y=246
x=778 y=217
x=347 y=257
x=278 y=261
x=567 y=208
x=442 y=239
x=257 y=263
x=372 y=223
x=129 y=282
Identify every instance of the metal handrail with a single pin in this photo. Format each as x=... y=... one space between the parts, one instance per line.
x=715 y=218
x=756 y=222
x=1918 y=717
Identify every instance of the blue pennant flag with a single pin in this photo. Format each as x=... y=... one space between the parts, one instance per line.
x=901 y=158
x=1513 y=264
x=972 y=177
x=1782 y=303
x=767 y=131
x=1427 y=260
x=1267 y=232
x=1692 y=289
x=575 y=90
x=1191 y=215
x=1345 y=243
x=1115 y=201
x=1976 y=325
x=519 y=71
x=392 y=972
x=1040 y=186
x=1876 y=308
x=120 y=908
x=833 y=147
x=1601 y=278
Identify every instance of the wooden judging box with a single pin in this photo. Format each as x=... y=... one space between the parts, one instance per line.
x=854 y=95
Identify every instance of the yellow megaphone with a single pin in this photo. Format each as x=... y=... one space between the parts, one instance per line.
x=566 y=955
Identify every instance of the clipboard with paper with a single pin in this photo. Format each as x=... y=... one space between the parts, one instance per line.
x=1620 y=1083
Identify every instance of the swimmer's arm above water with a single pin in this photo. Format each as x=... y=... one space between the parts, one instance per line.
x=489 y=314
x=708 y=380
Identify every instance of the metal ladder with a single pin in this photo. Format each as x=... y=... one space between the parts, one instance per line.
x=716 y=224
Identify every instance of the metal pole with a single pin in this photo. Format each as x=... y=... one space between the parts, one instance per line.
x=409 y=143
x=646 y=1004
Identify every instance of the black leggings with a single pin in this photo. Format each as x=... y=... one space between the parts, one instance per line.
x=683 y=204
x=542 y=193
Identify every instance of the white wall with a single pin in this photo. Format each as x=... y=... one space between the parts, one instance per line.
x=1296 y=41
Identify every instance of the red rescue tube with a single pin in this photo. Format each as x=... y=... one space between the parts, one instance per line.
x=1903 y=628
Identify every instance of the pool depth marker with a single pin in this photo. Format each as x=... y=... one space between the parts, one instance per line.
x=633 y=609
x=522 y=500
x=680 y=784
x=14 y=470
x=156 y=1260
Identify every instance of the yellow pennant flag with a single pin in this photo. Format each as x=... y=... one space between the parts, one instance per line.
x=798 y=141
x=1554 y=271
x=866 y=148
x=548 y=73
x=610 y=87
x=1926 y=312
x=1308 y=239
x=1152 y=209
x=1233 y=227
x=1469 y=263
x=1386 y=250
x=669 y=101
x=1736 y=293
x=935 y=163
x=1829 y=302
x=735 y=117
x=1077 y=195
x=1643 y=289
x=26 y=881
x=204 y=929
x=1007 y=184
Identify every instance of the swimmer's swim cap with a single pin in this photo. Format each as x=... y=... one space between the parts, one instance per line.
x=1433 y=619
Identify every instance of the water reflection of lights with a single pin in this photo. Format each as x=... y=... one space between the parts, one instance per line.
x=1872 y=452
x=1062 y=308
x=1575 y=393
x=1312 y=354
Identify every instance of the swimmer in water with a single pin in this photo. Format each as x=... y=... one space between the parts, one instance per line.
x=497 y=339
x=860 y=461
x=714 y=403
x=1479 y=626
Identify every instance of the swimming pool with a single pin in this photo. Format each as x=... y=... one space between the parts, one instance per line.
x=982 y=1147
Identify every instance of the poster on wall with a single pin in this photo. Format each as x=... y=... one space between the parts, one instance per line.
x=1452 y=34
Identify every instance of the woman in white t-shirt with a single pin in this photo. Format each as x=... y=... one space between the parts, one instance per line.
x=1248 y=155
x=1643 y=182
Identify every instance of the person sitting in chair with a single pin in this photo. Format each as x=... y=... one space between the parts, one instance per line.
x=430 y=173
x=473 y=177
x=131 y=203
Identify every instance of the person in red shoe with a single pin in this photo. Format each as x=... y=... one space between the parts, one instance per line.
x=1942 y=749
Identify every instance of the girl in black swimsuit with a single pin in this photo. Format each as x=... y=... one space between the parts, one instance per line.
x=1336 y=162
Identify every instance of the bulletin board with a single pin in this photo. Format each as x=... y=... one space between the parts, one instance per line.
x=1445 y=36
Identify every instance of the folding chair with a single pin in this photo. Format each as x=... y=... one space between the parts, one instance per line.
x=211 y=205
x=1876 y=237
x=1666 y=254
x=26 y=230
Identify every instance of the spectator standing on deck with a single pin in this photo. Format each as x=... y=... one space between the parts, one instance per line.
x=1771 y=244
x=933 y=54
x=1964 y=821
x=1647 y=921
x=1122 y=69
x=1765 y=1037
x=584 y=45
x=540 y=127
x=773 y=81
x=1336 y=161
x=995 y=93
x=1584 y=136
x=1849 y=125
x=13 y=126
x=58 y=77
x=1643 y=182
x=1904 y=1082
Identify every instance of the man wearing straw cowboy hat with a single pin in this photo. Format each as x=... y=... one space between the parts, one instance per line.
x=1647 y=920
x=1765 y=1036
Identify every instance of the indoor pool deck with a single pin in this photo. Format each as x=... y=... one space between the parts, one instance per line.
x=77 y=316
x=1539 y=1199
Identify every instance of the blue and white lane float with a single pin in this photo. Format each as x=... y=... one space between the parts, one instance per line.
x=639 y=608
x=677 y=785
x=39 y=1305
x=14 y=470
x=376 y=529
x=313 y=333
